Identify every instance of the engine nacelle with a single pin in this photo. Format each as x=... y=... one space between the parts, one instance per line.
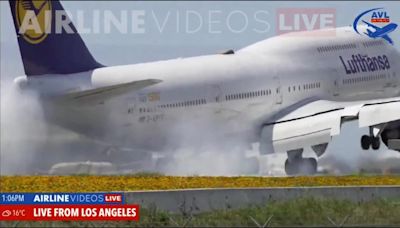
x=391 y=132
x=280 y=138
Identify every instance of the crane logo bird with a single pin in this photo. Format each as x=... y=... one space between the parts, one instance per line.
x=33 y=19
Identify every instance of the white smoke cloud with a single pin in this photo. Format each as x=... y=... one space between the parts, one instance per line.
x=199 y=147
x=196 y=146
x=345 y=156
x=216 y=155
x=21 y=128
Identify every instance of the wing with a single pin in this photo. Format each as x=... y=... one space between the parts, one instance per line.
x=315 y=123
x=388 y=39
x=98 y=95
x=371 y=25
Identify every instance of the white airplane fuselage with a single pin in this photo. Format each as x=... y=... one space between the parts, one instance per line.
x=226 y=95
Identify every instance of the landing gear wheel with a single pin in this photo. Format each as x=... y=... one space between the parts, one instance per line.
x=303 y=166
x=308 y=166
x=291 y=168
x=365 y=142
x=375 y=143
x=368 y=141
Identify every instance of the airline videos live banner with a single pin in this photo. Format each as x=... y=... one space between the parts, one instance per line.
x=66 y=207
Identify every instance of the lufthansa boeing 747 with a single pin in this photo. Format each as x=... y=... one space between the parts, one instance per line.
x=286 y=93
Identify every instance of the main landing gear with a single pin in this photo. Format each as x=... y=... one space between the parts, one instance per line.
x=297 y=165
x=372 y=140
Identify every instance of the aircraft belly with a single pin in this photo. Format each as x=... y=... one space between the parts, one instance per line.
x=174 y=129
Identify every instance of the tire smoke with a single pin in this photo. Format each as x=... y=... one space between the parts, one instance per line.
x=195 y=146
x=200 y=147
x=22 y=129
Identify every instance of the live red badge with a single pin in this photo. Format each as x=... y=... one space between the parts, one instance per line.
x=69 y=212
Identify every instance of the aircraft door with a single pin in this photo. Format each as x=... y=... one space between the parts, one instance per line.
x=277 y=90
x=214 y=93
x=215 y=96
x=392 y=81
x=337 y=82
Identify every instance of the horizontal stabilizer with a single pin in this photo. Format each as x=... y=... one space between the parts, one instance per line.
x=99 y=95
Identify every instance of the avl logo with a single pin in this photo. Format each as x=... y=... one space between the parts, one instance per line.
x=306 y=19
x=380 y=17
x=375 y=23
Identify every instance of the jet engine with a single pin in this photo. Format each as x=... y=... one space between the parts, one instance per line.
x=391 y=135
